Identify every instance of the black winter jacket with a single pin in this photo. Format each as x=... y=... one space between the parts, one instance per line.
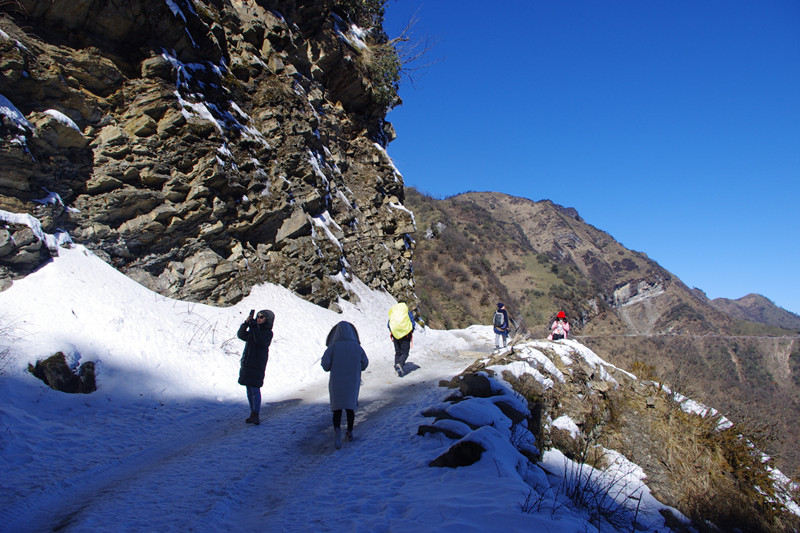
x=256 y=350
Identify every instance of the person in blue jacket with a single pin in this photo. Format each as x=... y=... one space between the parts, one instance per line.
x=501 y=327
x=257 y=334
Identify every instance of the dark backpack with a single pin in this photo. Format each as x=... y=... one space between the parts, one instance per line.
x=498 y=319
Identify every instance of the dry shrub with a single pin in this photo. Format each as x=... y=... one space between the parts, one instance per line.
x=7 y=337
x=714 y=476
x=721 y=477
x=644 y=371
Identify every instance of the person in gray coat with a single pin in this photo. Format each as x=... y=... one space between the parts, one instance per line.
x=345 y=359
x=257 y=334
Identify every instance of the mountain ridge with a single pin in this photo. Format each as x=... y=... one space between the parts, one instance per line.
x=479 y=248
x=758 y=308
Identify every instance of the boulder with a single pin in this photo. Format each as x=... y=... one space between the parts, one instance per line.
x=476 y=385
x=294 y=226
x=58 y=133
x=157 y=67
x=7 y=245
x=462 y=453
x=55 y=372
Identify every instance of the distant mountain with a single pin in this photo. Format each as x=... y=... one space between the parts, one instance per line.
x=757 y=308
x=475 y=249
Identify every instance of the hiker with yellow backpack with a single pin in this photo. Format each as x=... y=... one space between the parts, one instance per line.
x=401 y=327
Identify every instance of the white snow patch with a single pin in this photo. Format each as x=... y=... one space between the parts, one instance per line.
x=567 y=424
x=64 y=119
x=15 y=115
x=324 y=221
x=51 y=241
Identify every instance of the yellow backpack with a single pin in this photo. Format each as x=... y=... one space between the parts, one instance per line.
x=399 y=321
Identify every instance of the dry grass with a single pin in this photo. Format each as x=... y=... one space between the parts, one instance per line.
x=713 y=476
x=703 y=369
x=8 y=336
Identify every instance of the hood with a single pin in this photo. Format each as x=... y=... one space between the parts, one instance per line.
x=270 y=319
x=343 y=331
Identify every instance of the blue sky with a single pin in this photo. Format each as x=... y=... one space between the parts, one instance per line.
x=672 y=125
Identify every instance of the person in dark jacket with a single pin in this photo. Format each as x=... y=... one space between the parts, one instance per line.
x=345 y=359
x=501 y=329
x=257 y=334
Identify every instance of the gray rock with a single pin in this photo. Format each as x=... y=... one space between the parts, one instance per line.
x=7 y=245
x=58 y=376
x=462 y=453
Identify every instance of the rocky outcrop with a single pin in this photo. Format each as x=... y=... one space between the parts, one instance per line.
x=482 y=411
x=55 y=372
x=20 y=251
x=512 y=410
x=203 y=147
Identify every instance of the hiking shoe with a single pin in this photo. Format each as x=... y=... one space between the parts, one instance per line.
x=399 y=368
x=250 y=418
x=348 y=436
x=337 y=439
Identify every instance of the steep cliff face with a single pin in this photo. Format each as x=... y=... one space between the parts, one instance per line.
x=201 y=146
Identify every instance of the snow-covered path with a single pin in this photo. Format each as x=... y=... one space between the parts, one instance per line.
x=201 y=468
x=194 y=465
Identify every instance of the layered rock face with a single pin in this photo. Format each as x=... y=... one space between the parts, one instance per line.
x=201 y=147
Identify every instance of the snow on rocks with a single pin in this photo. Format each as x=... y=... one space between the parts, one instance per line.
x=523 y=413
x=486 y=416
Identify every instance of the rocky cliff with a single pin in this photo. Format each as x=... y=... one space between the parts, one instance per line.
x=202 y=147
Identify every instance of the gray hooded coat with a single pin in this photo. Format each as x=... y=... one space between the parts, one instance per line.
x=345 y=360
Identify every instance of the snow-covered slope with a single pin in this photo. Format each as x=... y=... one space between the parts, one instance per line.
x=162 y=443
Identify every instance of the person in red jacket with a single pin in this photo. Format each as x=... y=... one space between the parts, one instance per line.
x=560 y=327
